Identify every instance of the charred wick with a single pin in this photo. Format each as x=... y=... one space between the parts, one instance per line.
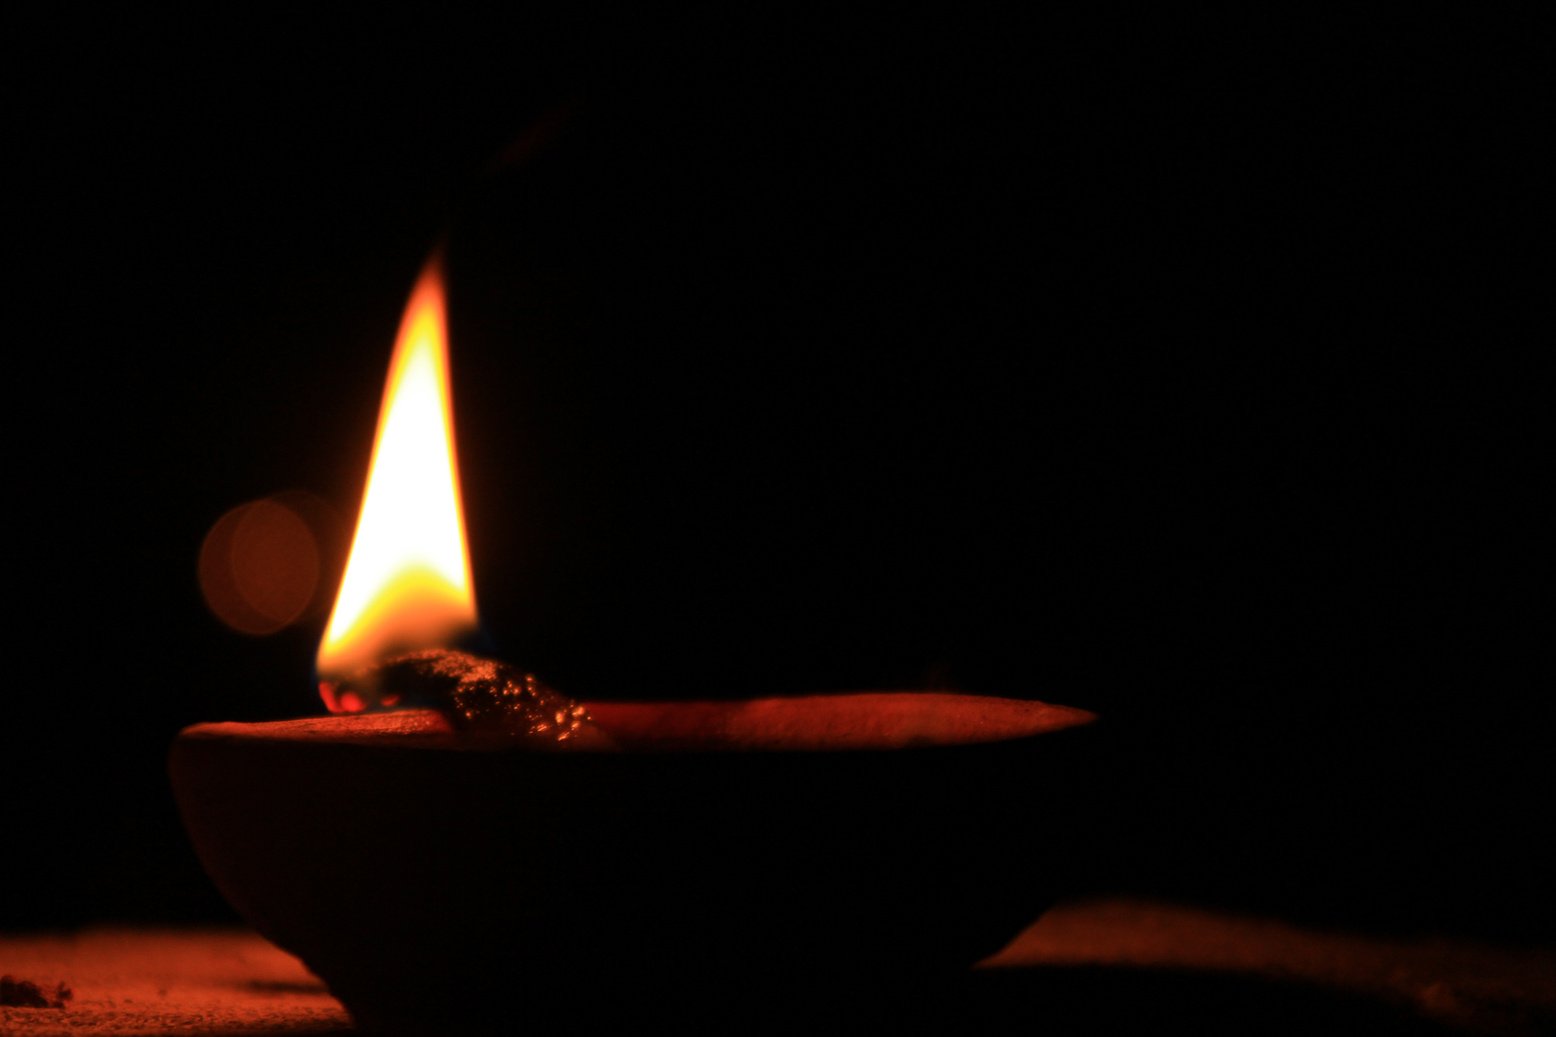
x=473 y=692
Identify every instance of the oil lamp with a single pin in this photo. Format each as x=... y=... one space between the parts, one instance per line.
x=447 y=836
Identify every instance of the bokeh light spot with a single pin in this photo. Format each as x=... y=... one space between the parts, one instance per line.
x=259 y=567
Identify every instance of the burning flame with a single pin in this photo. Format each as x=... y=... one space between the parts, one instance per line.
x=407 y=583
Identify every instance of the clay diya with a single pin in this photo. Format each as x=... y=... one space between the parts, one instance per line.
x=505 y=852
x=789 y=843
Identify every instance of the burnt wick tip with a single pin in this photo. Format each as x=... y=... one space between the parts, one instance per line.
x=475 y=693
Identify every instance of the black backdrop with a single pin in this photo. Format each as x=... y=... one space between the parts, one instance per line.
x=1164 y=371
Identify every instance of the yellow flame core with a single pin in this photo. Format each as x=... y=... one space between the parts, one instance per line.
x=407 y=583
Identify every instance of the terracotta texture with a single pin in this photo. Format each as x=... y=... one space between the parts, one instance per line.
x=789 y=844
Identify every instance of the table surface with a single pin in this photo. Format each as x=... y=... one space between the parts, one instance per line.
x=1094 y=966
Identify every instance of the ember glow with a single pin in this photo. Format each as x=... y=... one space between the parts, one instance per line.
x=407 y=583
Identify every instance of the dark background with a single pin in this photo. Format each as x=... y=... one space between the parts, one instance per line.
x=1172 y=371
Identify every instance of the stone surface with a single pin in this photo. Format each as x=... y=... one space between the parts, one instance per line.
x=1091 y=967
x=217 y=981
